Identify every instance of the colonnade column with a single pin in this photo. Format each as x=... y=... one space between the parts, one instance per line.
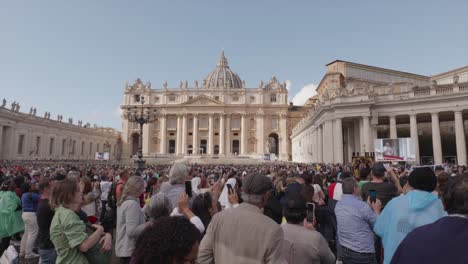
x=179 y=135
x=184 y=134
x=221 y=134
x=146 y=148
x=260 y=134
x=327 y=146
x=366 y=133
x=338 y=144
x=393 y=128
x=195 y=135
x=460 y=138
x=228 y=133
x=320 y=144
x=314 y=145
x=243 y=150
x=436 y=141
x=210 y=134
x=284 y=137
x=414 y=135
x=1 y=142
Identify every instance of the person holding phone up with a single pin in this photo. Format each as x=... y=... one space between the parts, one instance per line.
x=355 y=222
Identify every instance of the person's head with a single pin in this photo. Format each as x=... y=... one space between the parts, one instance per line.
x=66 y=193
x=159 y=206
x=423 y=179
x=124 y=175
x=169 y=240
x=45 y=186
x=74 y=175
x=8 y=186
x=179 y=173
x=133 y=188
x=350 y=186
x=438 y=170
x=364 y=173
x=378 y=171
x=256 y=189
x=204 y=206
x=442 y=179
x=85 y=185
x=307 y=192
x=456 y=196
x=294 y=208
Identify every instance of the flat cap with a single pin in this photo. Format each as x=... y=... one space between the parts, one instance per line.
x=256 y=184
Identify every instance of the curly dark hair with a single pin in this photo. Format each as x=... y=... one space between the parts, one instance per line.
x=168 y=239
x=201 y=207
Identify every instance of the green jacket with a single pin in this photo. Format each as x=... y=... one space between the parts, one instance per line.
x=10 y=218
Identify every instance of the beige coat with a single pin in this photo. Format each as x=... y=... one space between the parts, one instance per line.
x=242 y=235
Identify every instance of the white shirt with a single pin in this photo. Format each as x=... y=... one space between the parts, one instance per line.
x=105 y=189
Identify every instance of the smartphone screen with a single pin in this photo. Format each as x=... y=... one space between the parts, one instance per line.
x=310 y=213
x=188 y=188
x=373 y=196
x=229 y=188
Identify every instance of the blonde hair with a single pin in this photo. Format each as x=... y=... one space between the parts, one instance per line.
x=132 y=188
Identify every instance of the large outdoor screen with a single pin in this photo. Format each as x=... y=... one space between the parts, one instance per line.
x=401 y=149
x=101 y=156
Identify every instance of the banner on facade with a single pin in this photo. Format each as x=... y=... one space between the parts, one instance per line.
x=101 y=156
x=400 y=149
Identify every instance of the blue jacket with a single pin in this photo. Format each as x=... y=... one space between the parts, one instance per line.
x=403 y=214
x=30 y=201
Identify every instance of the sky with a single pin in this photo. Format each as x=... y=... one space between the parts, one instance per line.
x=74 y=57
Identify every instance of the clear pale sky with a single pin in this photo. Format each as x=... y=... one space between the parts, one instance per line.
x=73 y=57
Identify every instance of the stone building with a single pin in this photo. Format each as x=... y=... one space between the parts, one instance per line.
x=218 y=117
x=29 y=137
x=356 y=104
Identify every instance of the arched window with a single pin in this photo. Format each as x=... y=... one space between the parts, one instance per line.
x=273 y=98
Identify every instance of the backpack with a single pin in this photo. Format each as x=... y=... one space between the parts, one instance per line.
x=110 y=217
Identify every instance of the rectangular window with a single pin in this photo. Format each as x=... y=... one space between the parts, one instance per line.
x=156 y=99
x=171 y=98
x=273 y=123
x=90 y=148
x=51 y=146
x=64 y=142
x=38 y=145
x=252 y=99
x=97 y=147
x=73 y=147
x=20 y=144
x=236 y=123
x=235 y=98
x=82 y=148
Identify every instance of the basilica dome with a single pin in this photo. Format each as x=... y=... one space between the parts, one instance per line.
x=222 y=76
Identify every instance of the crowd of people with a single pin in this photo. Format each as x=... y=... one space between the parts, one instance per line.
x=71 y=212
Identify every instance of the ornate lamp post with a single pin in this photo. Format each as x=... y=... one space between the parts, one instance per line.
x=144 y=116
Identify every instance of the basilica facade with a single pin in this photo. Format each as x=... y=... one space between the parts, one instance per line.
x=219 y=117
x=356 y=104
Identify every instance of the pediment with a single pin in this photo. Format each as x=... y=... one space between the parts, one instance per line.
x=202 y=100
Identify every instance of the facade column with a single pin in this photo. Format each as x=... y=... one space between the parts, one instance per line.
x=184 y=134
x=327 y=145
x=210 y=135
x=179 y=135
x=228 y=134
x=195 y=135
x=146 y=148
x=393 y=128
x=436 y=141
x=414 y=135
x=460 y=138
x=366 y=133
x=314 y=145
x=243 y=150
x=357 y=136
x=320 y=144
x=221 y=134
x=338 y=144
x=284 y=137
x=260 y=134
x=163 y=140
x=350 y=140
